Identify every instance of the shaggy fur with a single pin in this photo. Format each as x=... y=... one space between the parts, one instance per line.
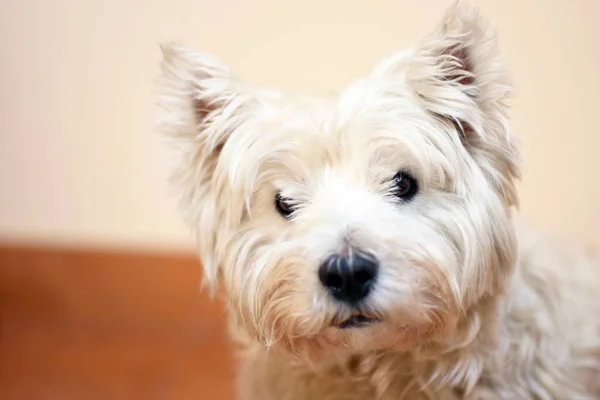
x=471 y=304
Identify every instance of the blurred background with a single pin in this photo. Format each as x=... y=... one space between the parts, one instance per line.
x=99 y=285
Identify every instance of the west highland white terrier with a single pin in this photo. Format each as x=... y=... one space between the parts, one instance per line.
x=367 y=243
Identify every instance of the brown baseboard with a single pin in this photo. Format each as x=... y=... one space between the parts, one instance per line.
x=87 y=324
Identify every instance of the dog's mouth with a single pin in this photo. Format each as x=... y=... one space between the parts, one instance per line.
x=358 y=321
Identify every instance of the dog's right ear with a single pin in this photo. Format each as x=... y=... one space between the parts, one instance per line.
x=200 y=104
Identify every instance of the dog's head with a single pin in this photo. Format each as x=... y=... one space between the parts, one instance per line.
x=370 y=220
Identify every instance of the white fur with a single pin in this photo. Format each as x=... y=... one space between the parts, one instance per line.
x=473 y=305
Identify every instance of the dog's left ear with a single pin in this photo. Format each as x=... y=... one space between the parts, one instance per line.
x=457 y=75
x=456 y=66
x=459 y=64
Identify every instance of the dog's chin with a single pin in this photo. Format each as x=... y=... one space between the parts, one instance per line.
x=366 y=332
x=343 y=331
x=356 y=335
x=357 y=321
x=352 y=335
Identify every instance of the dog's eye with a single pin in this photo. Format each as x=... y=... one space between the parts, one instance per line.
x=283 y=206
x=405 y=186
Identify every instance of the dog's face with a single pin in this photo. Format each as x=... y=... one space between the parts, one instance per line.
x=371 y=220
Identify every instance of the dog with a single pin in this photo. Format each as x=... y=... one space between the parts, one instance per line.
x=369 y=244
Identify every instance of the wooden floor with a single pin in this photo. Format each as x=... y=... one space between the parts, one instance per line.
x=96 y=325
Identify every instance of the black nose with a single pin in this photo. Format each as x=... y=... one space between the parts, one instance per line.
x=349 y=278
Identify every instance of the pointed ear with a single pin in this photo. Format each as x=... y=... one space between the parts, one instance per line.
x=457 y=75
x=200 y=104
x=456 y=67
x=461 y=54
x=195 y=90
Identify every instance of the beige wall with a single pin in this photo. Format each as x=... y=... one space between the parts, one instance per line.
x=78 y=159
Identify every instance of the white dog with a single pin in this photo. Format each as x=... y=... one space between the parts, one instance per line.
x=367 y=243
